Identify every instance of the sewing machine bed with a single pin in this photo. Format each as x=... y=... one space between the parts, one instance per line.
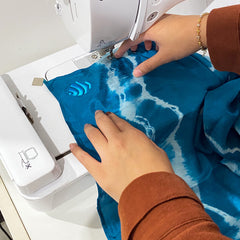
x=75 y=218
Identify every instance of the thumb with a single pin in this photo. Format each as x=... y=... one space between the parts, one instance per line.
x=90 y=163
x=147 y=66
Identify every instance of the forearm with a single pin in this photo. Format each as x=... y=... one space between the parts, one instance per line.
x=161 y=206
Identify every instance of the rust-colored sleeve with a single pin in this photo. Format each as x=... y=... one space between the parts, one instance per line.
x=162 y=206
x=223 y=38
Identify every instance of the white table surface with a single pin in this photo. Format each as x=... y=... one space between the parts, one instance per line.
x=77 y=218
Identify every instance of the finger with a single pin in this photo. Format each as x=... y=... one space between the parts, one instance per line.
x=150 y=64
x=97 y=139
x=121 y=123
x=134 y=48
x=106 y=125
x=123 y=48
x=91 y=164
x=148 y=45
x=126 y=45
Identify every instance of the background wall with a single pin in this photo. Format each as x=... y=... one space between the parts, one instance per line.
x=191 y=6
x=30 y=29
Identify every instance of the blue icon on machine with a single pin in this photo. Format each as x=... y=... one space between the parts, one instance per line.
x=78 y=89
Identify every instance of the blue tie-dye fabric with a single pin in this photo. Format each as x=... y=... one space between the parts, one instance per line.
x=186 y=107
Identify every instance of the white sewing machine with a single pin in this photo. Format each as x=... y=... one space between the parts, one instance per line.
x=38 y=162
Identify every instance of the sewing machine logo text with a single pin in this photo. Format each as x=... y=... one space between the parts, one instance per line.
x=27 y=156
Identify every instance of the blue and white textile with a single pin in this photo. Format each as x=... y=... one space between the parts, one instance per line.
x=186 y=107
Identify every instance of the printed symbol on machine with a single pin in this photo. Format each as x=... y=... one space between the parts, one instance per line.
x=26 y=156
x=101 y=44
x=78 y=89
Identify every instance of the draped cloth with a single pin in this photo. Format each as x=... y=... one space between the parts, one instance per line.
x=186 y=107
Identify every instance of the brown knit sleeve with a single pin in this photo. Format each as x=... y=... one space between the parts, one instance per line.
x=223 y=38
x=161 y=206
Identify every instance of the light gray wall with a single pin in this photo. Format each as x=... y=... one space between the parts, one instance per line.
x=191 y=6
x=29 y=30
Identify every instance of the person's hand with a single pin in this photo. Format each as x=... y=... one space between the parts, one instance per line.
x=175 y=38
x=126 y=154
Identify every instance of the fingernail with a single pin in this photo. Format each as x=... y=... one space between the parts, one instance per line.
x=137 y=73
x=116 y=55
x=72 y=146
x=98 y=111
x=87 y=125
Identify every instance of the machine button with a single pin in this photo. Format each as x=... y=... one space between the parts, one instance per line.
x=58 y=8
x=152 y=16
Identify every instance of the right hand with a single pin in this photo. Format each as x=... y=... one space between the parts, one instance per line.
x=126 y=154
x=175 y=38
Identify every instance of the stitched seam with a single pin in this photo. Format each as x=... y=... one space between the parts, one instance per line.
x=181 y=225
x=172 y=197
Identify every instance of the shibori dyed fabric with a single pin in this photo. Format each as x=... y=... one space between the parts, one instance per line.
x=186 y=107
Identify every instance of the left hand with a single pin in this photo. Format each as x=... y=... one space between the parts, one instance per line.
x=126 y=154
x=175 y=38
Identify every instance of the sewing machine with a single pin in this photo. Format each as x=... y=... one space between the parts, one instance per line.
x=39 y=163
